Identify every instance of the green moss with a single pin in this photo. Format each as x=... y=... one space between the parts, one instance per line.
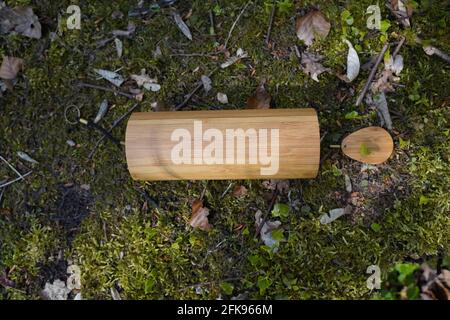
x=152 y=253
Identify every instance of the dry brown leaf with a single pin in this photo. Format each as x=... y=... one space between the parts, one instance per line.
x=260 y=99
x=281 y=185
x=10 y=67
x=199 y=218
x=311 y=26
x=20 y=20
x=402 y=12
x=311 y=65
x=239 y=191
x=438 y=288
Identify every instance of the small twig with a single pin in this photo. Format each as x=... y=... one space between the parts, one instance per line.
x=399 y=46
x=226 y=190
x=372 y=74
x=1 y=196
x=190 y=95
x=272 y=16
x=114 y=125
x=12 y=167
x=93 y=86
x=235 y=23
x=212 y=22
x=15 y=180
x=272 y=204
x=433 y=51
x=95 y=126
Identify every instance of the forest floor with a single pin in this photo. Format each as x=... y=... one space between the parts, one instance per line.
x=134 y=238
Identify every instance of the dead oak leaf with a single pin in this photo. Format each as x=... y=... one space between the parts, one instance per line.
x=199 y=218
x=260 y=99
x=10 y=67
x=311 y=26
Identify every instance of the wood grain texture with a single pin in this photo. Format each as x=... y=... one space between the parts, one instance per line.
x=377 y=143
x=149 y=144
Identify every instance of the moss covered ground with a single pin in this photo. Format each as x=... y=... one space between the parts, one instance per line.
x=134 y=236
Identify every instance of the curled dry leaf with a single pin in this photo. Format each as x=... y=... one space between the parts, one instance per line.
x=266 y=230
x=311 y=26
x=10 y=67
x=182 y=25
x=102 y=110
x=119 y=47
x=260 y=99
x=199 y=218
x=20 y=20
x=311 y=65
x=222 y=98
x=207 y=83
x=395 y=64
x=25 y=157
x=353 y=64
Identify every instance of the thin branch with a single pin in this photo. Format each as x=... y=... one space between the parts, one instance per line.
x=15 y=180
x=12 y=167
x=235 y=22
x=399 y=46
x=191 y=94
x=372 y=74
x=272 y=204
x=93 y=86
x=272 y=16
x=114 y=125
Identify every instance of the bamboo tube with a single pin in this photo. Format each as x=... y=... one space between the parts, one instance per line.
x=223 y=145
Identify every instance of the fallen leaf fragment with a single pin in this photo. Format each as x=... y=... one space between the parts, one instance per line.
x=207 y=83
x=119 y=47
x=20 y=20
x=25 y=157
x=199 y=218
x=312 y=25
x=102 y=110
x=379 y=102
x=222 y=98
x=131 y=29
x=353 y=63
x=260 y=99
x=240 y=191
x=10 y=67
x=113 y=77
x=240 y=54
x=182 y=25
x=333 y=215
x=266 y=231
x=402 y=12
x=144 y=80
x=55 y=291
x=311 y=65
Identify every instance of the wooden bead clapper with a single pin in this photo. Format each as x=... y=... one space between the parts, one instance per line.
x=223 y=145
